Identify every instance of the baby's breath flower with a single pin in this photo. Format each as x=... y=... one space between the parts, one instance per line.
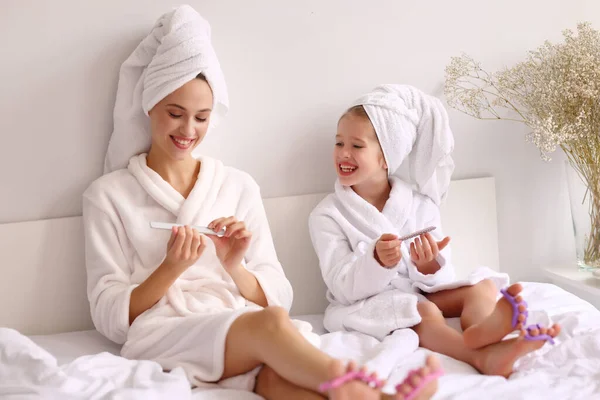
x=555 y=91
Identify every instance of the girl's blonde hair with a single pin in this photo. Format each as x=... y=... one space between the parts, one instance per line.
x=357 y=111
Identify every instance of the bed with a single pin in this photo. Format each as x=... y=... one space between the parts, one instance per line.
x=44 y=270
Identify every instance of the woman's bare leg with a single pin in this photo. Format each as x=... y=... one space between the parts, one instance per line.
x=273 y=387
x=432 y=364
x=268 y=337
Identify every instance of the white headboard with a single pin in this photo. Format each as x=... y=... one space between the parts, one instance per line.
x=43 y=284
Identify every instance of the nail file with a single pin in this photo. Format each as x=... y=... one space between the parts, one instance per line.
x=202 y=229
x=417 y=233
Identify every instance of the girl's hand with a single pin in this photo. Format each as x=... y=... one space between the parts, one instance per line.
x=424 y=251
x=387 y=250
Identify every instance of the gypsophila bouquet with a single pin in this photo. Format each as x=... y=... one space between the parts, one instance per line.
x=556 y=93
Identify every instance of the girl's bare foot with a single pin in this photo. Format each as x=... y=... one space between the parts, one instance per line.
x=404 y=389
x=499 y=358
x=499 y=324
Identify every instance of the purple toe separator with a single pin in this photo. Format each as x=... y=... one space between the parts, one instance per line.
x=545 y=336
x=515 y=306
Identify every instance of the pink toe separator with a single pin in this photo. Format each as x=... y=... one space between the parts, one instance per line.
x=354 y=375
x=417 y=389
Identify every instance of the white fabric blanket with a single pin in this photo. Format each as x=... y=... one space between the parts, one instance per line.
x=364 y=296
x=187 y=327
x=29 y=372
x=568 y=370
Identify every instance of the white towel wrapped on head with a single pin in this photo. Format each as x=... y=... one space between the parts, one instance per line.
x=177 y=49
x=413 y=127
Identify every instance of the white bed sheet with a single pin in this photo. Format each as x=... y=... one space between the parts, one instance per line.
x=66 y=347
x=568 y=370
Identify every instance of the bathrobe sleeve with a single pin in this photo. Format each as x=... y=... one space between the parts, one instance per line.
x=261 y=257
x=108 y=273
x=446 y=273
x=350 y=275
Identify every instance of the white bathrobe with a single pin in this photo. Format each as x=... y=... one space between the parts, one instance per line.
x=363 y=295
x=188 y=326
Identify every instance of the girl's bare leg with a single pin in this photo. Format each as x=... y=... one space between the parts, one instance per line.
x=436 y=335
x=497 y=324
x=496 y=359
x=472 y=304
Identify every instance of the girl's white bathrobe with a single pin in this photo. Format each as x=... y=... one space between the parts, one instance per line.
x=188 y=326
x=363 y=295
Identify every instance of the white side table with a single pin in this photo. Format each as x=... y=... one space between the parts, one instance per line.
x=581 y=283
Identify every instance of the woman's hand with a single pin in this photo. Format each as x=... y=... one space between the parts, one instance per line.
x=231 y=248
x=184 y=248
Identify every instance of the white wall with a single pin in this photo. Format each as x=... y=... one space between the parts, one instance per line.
x=292 y=67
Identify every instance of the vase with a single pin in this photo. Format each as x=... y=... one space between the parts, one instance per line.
x=583 y=181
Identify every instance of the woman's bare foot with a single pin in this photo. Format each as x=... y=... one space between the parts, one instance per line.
x=353 y=389
x=432 y=365
x=499 y=324
x=499 y=358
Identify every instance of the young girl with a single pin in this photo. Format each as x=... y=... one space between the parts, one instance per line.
x=214 y=306
x=392 y=158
